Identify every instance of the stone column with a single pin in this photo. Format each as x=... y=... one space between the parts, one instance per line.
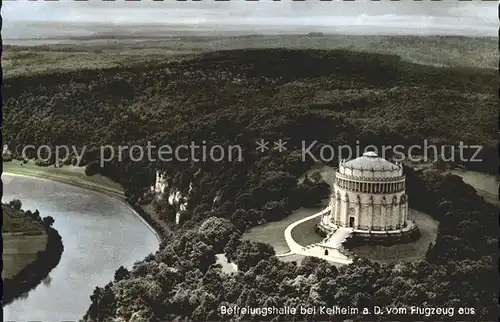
x=358 y=224
x=393 y=225
x=331 y=215
x=402 y=216
x=383 y=213
x=347 y=207
x=337 y=212
x=395 y=213
x=405 y=211
x=387 y=217
x=370 y=212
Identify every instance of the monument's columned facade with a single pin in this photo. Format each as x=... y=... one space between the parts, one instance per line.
x=369 y=194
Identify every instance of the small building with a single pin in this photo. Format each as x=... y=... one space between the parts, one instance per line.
x=6 y=153
x=315 y=34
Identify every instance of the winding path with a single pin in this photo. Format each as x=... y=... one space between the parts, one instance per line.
x=296 y=248
x=334 y=255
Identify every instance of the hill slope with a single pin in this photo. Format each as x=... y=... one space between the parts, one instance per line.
x=238 y=97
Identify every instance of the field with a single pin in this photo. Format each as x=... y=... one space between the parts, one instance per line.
x=116 y=51
x=273 y=232
x=66 y=174
x=19 y=251
x=22 y=240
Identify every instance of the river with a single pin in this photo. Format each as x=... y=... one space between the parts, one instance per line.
x=99 y=234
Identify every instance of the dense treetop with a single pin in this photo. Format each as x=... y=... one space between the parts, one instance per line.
x=238 y=97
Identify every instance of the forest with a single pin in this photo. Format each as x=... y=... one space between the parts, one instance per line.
x=240 y=96
x=182 y=280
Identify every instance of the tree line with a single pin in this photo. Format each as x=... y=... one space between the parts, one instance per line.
x=238 y=97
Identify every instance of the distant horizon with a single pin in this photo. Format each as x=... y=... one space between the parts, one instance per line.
x=67 y=18
x=81 y=30
x=126 y=36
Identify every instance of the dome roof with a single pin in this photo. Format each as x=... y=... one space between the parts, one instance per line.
x=370 y=161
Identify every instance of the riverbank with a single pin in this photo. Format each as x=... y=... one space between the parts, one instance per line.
x=35 y=272
x=67 y=174
x=76 y=176
x=99 y=233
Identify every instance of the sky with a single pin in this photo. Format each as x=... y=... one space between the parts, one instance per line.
x=22 y=18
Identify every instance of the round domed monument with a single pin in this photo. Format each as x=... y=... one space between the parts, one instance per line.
x=369 y=196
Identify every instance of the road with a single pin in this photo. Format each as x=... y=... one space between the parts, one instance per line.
x=316 y=250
